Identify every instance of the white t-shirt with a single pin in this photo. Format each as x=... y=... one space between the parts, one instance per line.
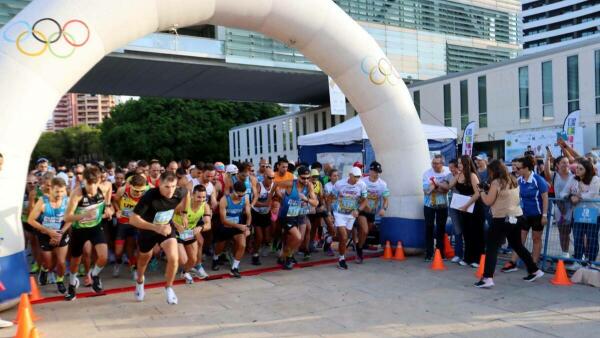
x=375 y=193
x=348 y=195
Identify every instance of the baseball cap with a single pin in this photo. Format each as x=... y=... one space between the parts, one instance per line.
x=219 y=166
x=356 y=172
x=41 y=160
x=357 y=164
x=376 y=167
x=481 y=156
x=314 y=172
x=231 y=169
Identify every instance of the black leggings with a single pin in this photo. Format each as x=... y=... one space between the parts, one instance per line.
x=473 y=234
x=499 y=230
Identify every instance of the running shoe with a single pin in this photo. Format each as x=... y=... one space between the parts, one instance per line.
x=188 y=277
x=171 y=296
x=532 y=277
x=43 y=277
x=60 y=286
x=71 y=293
x=509 y=267
x=342 y=264
x=139 y=291
x=474 y=265
x=35 y=268
x=116 y=270
x=485 y=283
x=256 y=260
x=235 y=273
x=215 y=265
x=96 y=284
x=199 y=271
x=455 y=259
x=289 y=265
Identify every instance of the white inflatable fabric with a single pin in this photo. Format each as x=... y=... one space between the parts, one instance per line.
x=51 y=44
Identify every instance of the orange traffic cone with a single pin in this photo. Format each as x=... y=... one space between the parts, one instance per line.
x=387 y=252
x=438 y=263
x=25 y=325
x=399 y=254
x=34 y=333
x=560 y=277
x=448 y=249
x=479 y=272
x=25 y=305
x=35 y=292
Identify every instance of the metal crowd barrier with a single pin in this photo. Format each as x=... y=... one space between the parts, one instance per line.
x=571 y=233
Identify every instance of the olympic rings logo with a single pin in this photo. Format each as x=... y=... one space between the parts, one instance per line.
x=380 y=71
x=47 y=40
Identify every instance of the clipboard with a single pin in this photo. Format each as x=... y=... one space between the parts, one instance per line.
x=459 y=200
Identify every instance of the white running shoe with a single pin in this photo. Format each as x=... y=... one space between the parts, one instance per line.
x=462 y=263
x=171 y=297
x=455 y=259
x=139 y=291
x=485 y=283
x=201 y=273
x=188 y=277
x=116 y=270
x=474 y=265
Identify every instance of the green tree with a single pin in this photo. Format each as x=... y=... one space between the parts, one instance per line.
x=168 y=129
x=70 y=145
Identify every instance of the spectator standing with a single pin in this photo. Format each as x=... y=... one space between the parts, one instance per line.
x=435 y=205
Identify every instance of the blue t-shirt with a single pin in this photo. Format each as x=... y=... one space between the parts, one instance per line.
x=531 y=191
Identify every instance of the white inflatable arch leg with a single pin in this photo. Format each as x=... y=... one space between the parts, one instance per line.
x=34 y=75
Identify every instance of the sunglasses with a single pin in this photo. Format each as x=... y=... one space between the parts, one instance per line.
x=139 y=191
x=270 y=177
x=240 y=194
x=304 y=178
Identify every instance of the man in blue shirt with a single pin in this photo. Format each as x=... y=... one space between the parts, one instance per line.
x=533 y=191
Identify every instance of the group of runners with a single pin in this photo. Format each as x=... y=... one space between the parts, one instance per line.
x=76 y=219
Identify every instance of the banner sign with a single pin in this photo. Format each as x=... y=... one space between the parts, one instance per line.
x=573 y=131
x=518 y=142
x=468 y=139
x=337 y=99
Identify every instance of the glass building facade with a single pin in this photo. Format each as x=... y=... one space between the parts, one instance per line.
x=422 y=38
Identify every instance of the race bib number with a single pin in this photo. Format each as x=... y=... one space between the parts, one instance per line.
x=586 y=215
x=127 y=212
x=233 y=219
x=187 y=235
x=96 y=215
x=297 y=208
x=163 y=217
x=52 y=222
x=347 y=204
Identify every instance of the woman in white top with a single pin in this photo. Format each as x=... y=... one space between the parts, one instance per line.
x=584 y=186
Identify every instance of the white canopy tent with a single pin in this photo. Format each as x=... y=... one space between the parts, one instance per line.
x=353 y=130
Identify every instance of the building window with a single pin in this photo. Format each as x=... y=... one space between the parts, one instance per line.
x=283 y=131
x=417 y=101
x=291 y=134
x=274 y=138
x=573 y=83
x=297 y=127
x=332 y=121
x=342 y=118
x=447 y=105
x=316 y=122
x=482 y=97
x=268 y=138
x=248 y=141
x=464 y=104
x=303 y=125
x=260 y=138
x=324 y=119
x=547 y=91
x=597 y=134
x=597 y=70
x=524 y=93
x=255 y=142
x=234 y=145
x=239 y=148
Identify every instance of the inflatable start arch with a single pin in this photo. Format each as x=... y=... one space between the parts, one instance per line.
x=51 y=44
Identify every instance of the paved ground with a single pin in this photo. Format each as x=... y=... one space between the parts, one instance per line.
x=377 y=299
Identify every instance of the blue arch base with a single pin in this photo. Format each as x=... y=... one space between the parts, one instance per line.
x=410 y=231
x=14 y=275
